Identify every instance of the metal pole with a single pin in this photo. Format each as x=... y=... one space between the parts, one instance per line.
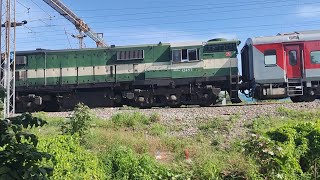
x=13 y=77
x=8 y=55
x=7 y=63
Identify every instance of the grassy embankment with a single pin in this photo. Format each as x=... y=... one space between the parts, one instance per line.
x=134 y=146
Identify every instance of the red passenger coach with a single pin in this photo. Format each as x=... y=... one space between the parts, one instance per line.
x=286 y=65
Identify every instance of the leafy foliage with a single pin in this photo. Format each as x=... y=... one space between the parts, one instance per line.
x=71 y=161
x=155 y=117
x=301 y=115
x=157 y=129
x=131 y=119
x=19 y=157
x=122 y=163
x=205 y=170
x=288 y=152
x=79 y=122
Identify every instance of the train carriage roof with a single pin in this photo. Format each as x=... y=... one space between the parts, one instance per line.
x=286 y=37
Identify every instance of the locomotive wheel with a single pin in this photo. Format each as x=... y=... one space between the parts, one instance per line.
x=144 y=102
x=174 y=101
x=207 y=100
x=296 y=99
x=305 y=98
x=308 y=98
x=236 y=100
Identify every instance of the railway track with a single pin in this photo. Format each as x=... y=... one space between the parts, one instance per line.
x=246 y=111
x=185 y=120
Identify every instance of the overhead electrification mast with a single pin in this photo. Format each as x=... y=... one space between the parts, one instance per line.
x=8 y=54
x=78 y=22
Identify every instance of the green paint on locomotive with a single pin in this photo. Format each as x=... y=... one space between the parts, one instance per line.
x=127 y=63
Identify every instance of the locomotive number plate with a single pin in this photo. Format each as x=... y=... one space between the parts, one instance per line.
x=186 y=70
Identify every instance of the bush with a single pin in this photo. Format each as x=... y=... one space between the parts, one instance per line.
x=289 y=152
x=216 y=124
x=157 y=129
x=122 y=163
x=155 y=117
x=299 y=115
x=205 y=170
x=79 y=123
x=19 y=156
x=130 y=119
x=71 y=160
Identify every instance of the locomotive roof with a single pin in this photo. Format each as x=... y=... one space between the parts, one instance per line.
x=287 y=37
x=176 y=44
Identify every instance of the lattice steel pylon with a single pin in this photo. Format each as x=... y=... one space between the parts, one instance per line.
x=8 y=54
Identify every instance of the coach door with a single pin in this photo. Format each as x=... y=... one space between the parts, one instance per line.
x=293 y=61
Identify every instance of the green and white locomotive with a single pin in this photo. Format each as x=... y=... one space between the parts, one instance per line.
x=145 y=76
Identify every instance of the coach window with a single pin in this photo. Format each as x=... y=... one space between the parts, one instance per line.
x=270 y=57
x=293 y=58
x=315 y=57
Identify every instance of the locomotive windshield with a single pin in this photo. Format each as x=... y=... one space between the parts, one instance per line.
x=211 y=48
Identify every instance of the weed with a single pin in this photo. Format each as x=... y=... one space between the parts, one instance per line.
x=301 y=115
x=217 y=124
x=130 y=120
x=71 y=161
x=157 y=129
x=217 y=140
x=80 y=121
x=125 y=107
x=122 y=163
x=155 y=117
x=52 y=121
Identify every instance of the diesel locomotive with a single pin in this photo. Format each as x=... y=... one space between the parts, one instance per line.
x=153 y=75
x=175 y=74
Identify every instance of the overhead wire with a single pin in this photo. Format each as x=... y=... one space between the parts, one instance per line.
x=183 y=10
x=188 y=30
x=137 y=19
x=194 y=34
x=166 y=6
x=196 y=21
x=169 y=22
x=68 y=38
x=41 y=8
x=23 y=6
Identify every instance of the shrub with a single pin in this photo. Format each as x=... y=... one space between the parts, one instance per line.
x=205 y=170
x=79 y=123
x=130 y=119
x=289 y=152
x=19 y=156
x=300 y=115
x=71 y=160
x=216 y=124
x=155 y=117
x=122 y=163
x=157 y=129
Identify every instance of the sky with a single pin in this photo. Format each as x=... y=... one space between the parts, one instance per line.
x=125 y=22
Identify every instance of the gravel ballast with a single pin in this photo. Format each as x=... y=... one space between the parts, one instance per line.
x=184 y=122
x=190 y=114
